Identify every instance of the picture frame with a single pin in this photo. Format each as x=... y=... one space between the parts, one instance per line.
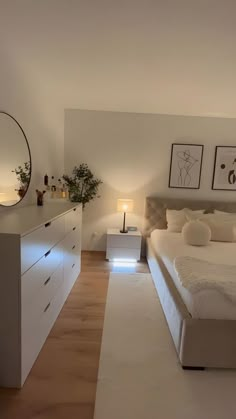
x=224 y=171
x=185 y=166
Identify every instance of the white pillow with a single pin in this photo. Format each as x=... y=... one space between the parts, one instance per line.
x=196 y=233
x=193 y=215
x=222 y=229
x=177 y=218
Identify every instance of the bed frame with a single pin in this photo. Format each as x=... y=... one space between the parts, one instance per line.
x=199 y=343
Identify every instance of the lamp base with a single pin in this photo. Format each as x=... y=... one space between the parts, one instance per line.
x=123 y=231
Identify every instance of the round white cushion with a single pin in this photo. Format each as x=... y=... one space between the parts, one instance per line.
x=196 y=233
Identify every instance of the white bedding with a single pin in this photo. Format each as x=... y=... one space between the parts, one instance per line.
x=206 y=304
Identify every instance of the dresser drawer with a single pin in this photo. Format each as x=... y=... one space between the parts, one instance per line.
x=122 y=253
x=34 y=279
x=51 y=313
x=71 y=273
x=73 y=218
x=35 y=332
x=72 y=241
x=36 y=244
x=117 y=241
x=49 y=291
x=69 y=264
x=34 y=309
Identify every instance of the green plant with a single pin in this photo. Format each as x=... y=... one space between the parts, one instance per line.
x=23 y=174
x=82 y=185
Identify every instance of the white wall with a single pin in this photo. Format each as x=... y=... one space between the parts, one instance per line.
x=43 y=127
x=130 y=152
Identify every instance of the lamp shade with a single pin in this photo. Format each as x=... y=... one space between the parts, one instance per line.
x=125 y=205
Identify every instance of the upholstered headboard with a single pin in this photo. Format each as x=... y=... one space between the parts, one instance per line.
x=155 y=214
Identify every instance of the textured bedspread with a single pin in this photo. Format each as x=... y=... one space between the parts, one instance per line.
x=198 y=275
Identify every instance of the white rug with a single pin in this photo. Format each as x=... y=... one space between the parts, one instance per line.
x=139 y=373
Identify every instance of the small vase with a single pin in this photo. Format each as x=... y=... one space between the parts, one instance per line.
x=39 y=201
x=40 y=195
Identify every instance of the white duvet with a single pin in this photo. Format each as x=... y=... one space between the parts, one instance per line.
x=205 y=302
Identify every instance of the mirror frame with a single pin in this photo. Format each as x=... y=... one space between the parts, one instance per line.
x=30 y=159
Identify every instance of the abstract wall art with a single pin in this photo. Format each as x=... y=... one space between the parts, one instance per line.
x=224 y=173
x=185 y=166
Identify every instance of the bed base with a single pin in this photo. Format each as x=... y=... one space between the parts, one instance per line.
x=200 y=343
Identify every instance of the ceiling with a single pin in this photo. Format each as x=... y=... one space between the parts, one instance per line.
x=155 y=56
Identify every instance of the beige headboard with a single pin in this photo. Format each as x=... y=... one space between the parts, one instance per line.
x=155 y=213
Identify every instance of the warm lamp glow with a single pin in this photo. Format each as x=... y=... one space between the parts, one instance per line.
x=125 y=205
x=2 y=196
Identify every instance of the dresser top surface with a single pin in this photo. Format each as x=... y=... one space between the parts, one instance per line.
x=23 y=220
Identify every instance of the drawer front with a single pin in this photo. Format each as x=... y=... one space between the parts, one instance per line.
x=69 y=265
x=33 y=338
x=131 y=242
x=50 y=289
x=51 y=313
x=34 y=279
x=72 y=251
x=72 y=256
x=75 y=273
x=36 y=244
x=71 y=273
x=72 y=242
x=73 y=218
x=34 y=309
x=122 y=253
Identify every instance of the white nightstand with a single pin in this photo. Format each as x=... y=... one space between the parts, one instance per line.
x=123 y=245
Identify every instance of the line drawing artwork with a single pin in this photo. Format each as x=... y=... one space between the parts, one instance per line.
x=224 y=172
x=231 y=177
x=185 y=163
x=185 y=166
x=231 y=174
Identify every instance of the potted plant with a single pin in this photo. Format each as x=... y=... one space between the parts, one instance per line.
x=82 y=185
x=23 y=176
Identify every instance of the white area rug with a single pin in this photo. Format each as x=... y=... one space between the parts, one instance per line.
x=139 y=373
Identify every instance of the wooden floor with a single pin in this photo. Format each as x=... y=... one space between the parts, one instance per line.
x=62 y=383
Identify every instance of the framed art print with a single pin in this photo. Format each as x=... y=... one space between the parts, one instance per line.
x=185 y=166
x=224 y=174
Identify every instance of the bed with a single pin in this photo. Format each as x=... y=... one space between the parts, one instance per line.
x=203 y=328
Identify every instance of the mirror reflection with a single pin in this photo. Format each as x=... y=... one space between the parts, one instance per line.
x=15 y=161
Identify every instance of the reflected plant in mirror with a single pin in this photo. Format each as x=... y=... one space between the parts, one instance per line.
x=23 y=174
x=15 y=161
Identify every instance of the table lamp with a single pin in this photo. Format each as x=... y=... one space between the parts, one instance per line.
x=125 y=205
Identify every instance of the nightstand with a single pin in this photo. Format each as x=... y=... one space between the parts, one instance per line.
x=123 y=245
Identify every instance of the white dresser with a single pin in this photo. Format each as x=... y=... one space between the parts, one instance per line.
x=40 y=256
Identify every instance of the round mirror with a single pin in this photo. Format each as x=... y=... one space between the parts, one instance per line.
x=15 y=161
